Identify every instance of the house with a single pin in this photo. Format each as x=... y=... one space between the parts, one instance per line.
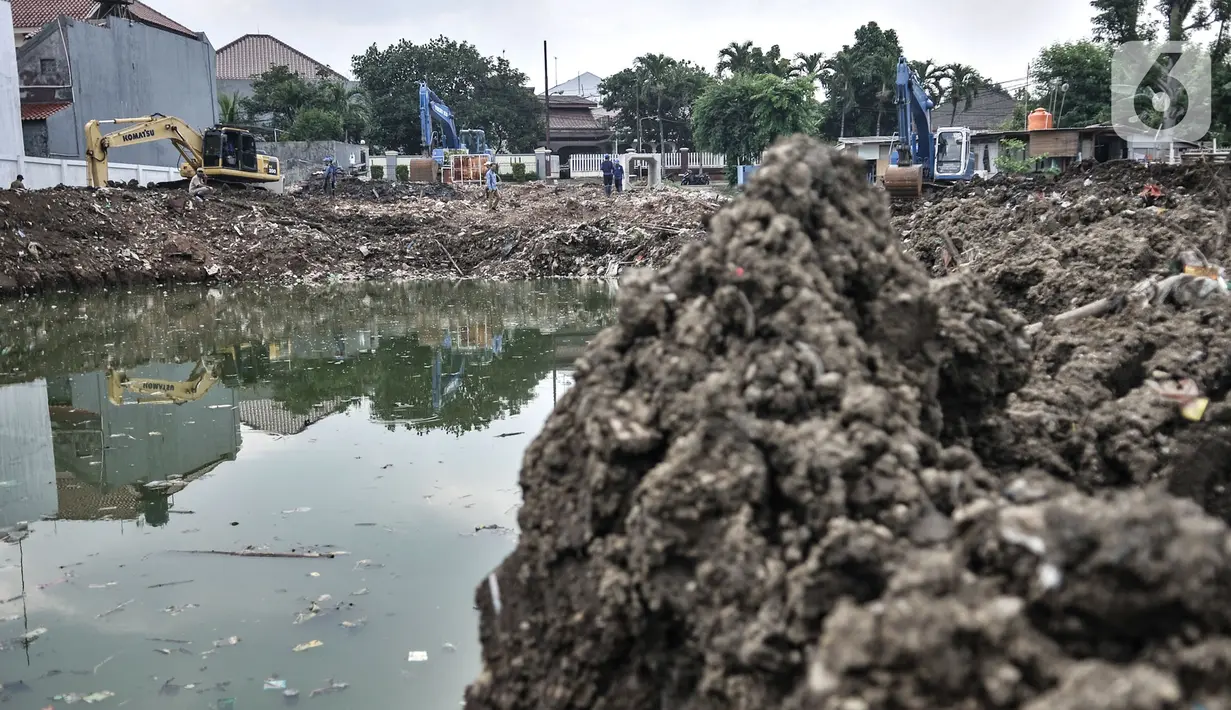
x=585 y=86
x=576 y=127
x=242 y=61
x=874 y=150
x=991 y=110
x=31 y=16
x=116 y=65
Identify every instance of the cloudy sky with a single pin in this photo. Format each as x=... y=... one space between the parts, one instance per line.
x=604 y=37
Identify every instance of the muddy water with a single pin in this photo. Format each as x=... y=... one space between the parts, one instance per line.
x=386 y=422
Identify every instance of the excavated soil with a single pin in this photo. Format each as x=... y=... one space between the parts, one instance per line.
x=74 y=237
x=800 y=474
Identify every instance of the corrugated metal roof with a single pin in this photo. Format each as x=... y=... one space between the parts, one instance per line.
x=571 y=101
x=37 y=112
x=253 y=54
x=36 y=13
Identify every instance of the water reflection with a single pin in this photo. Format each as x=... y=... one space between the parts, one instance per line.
x=112 y=404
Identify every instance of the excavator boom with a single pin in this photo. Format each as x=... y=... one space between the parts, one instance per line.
x=226 y=154
x=152 y=391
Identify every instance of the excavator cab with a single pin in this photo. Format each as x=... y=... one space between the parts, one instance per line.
x=230 y=149
x=952 y=153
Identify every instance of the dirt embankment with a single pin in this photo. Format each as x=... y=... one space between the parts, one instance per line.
x=801 y=474
x=73 y=237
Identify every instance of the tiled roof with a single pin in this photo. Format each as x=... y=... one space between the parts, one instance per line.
x=36 y=13
x=575 y=120
x=252 y=55
x=37 y=112
x=571 y=101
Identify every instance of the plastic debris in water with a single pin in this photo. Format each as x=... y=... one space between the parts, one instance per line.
x=357 y=623
x=366 y=564
x=229 y=641
x=103 y=586
x=314 y=574
x=275 y=684
x=296 y=510
x=32 y=635
x=332 y=687
x=99 y=696
x=359 y=593
x=450 y=648
x=290 y=693
x=308 y=645
x=417 y=656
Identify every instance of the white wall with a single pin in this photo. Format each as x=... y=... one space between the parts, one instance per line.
x=27 y=464
x=11 y=144
x=41 y=173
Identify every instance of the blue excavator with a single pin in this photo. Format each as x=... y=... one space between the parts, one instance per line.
x=472 y=141
x=923 y=157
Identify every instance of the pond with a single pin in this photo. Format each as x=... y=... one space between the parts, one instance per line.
x=363 y=441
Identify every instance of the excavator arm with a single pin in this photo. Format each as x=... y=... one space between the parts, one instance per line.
x=151 y=391
x=431 y=106
x=145 y=129
x=915 y=140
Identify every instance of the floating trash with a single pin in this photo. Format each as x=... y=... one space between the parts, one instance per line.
x=308 y=645
x=417 y=656
x=357 y=623
x=296 y=510
x=359 y=593
x=229 y=641
x=275 y=684
x=333 y=687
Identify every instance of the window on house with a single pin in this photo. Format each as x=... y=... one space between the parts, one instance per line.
x=47 y=66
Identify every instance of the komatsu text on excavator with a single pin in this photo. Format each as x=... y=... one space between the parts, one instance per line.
x=227 y=154
x=151 y=391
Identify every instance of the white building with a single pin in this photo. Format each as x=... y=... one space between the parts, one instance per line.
x=11 y=146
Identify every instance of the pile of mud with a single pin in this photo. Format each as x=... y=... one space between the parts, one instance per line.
x=1047 y=244
x=74 y=237
x=378 y=190
x=1089 y=414
x=758 y=494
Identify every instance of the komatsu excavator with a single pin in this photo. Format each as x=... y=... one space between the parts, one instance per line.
x=227 y=154
x=151 y=391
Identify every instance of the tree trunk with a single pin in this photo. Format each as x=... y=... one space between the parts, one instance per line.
x=842 y=127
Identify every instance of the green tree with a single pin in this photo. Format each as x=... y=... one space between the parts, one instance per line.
x=278 y=95
x=885 y=67
x=655 y=86
x=741 y=116
x=747 y=58
x=1086 y=67
x=809 y=66
x=484 y=92
x=853 y=108
x=1119 y=21
x=932 y=77
x=349 y=104
x=841 y=76
x=229 y=108
x=963 y=86
x=317 y=124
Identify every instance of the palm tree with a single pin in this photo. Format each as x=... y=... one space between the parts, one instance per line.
x=932 y=76
x=348 y=103
x=885 y=70
x=840 y=73
x=965 y=83
x=772 y=62
x=228 y=108
x=656 y=68
x=735 y=57
x=809 y=65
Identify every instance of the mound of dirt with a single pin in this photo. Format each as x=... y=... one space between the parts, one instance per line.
x=1048 y=244
x=761 y=492
x=73 y=237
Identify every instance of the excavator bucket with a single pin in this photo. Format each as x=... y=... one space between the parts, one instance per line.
x=904 y=182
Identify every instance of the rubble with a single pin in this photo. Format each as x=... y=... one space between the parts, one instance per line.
x=76 y=237
x=799 y=474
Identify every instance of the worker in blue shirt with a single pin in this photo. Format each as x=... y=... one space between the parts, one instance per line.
x=619 y=176
x=493 y=186
x=331 y=176
x=608 y=169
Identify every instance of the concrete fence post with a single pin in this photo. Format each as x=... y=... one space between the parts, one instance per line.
x=64 y=172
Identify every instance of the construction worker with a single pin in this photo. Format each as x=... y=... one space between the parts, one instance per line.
x=18 y=184
x=198 y=187
x=608 y=169
x=619 y=176
x=492 y=191
x=331 y=176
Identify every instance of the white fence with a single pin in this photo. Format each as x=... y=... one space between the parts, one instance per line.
x=40 y=173
x=585 y=165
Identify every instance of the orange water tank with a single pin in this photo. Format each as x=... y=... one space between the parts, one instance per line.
x=1039 y=119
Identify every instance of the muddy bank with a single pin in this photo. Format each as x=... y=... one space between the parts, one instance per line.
x=797 y=473
x=72 y=237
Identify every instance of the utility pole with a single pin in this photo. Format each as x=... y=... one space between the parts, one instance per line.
x=546 y=99
x=662 y=144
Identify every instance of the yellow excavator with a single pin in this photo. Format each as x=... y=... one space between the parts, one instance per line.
x=227 y=154
x=151 y=391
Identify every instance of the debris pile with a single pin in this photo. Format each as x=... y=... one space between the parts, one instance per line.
x=758 y=494
x=78 y=237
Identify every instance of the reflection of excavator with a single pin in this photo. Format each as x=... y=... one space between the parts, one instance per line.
x=150 y=391
x=228 y=155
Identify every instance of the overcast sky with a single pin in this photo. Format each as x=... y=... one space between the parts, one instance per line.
x=998 y=39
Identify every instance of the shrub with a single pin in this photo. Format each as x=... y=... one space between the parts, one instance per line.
x=403 y=173
x=531 y=177
x=519 y=172
x=378 y=172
